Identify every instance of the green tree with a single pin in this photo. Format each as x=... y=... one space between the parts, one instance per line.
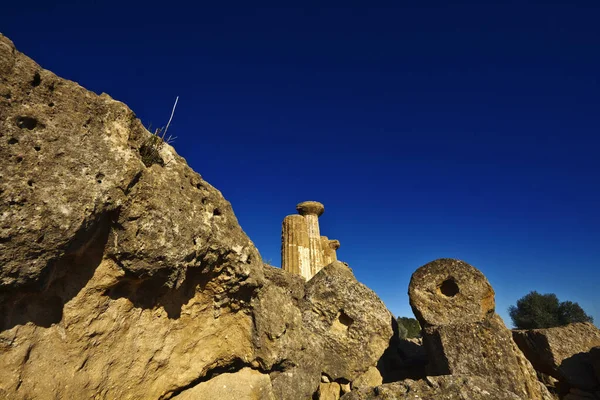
x=408 y=328
x=536 y=310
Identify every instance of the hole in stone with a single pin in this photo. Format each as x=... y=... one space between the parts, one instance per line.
x=204 y=200
x=99 y=177
x=19 y=159
x=37 y=148
x=198 y=186
x=40 y=239
x=449 y=288
x=27 y=123
x=51 y=104
x=342 y=323
x=12 y=141
x=216 y=212
x=30 y=182
x=37 y=79
x=7 y=96
x=345 y=319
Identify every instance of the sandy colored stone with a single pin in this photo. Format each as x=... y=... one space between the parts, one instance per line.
x=295 y=249
x=300 y=350
x=329 y=250
x=244 y=384
x=370 y=378
x=118 y=279
x=436 y=388
x=563 y=352
x=449 y=291
x=462 y=334
x=351 y=326
x=329 y=391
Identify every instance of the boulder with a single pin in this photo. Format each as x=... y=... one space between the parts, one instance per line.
x=351 y=326
x=117 y=278
x=244 y=384
x=370 y=378
x=447 y=291
x=329 y=391
x=462 y=334
x=563 y=352
x=331 y=329
x=436 y=388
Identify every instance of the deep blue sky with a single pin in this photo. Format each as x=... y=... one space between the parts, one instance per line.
x=427 y=129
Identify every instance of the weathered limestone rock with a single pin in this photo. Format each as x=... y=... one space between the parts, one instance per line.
x=351 y=326
x=370 y=378
x=295 y=251
x=300 y=340
x=563 y=352
x=117 y=279
x=436 y=388
x=311 y=211
x=329 y=391
x=447 y=291
x=329 y=250
x=244 y=384
x=462 y=334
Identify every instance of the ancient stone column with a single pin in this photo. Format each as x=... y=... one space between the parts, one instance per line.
x=454 y=303
x=311 y=210
x=295 y=254
x=329 y=250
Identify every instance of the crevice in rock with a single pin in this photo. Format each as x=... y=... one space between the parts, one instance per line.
x=152 y=292
x=233 y=366
x=133 y=182
x=37 y=80
x=42 y=302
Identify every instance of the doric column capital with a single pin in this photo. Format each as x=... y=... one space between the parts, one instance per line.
x=334 y=244
x=310 y=208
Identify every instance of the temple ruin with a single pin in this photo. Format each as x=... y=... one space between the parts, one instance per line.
x=303 y=250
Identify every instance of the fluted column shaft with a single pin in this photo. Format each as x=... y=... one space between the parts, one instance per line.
x=314 y=243
x=311 y=210
x=295 y=252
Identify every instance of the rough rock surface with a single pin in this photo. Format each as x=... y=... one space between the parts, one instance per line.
x=563 y=352
x=128 y=277
x=329 y=391
x=446 y=291
x=332 y=325
x=244 y=384
x=436 y=388
x=351 y=326
x=462 y=334
x=370 y=378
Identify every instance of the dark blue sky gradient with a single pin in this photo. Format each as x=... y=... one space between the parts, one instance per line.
x=427 y=129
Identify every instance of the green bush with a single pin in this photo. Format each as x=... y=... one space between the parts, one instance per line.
x=408 y=328
x=536 y=310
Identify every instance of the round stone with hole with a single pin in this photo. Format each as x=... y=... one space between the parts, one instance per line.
x=449 y=291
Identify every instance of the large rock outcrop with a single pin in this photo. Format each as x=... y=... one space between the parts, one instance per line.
x=436 y=388
x=462 y=334
x=123 y=274
x=564 y=352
